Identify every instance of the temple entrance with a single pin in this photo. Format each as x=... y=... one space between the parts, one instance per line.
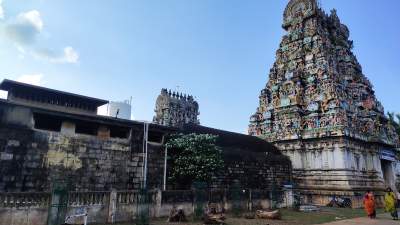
x=387 y=172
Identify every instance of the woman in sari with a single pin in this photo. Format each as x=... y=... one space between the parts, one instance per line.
x=390 y=203
x=369 y=204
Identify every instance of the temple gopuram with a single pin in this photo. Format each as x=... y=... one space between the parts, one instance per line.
x=320 y=109
x=175 y=109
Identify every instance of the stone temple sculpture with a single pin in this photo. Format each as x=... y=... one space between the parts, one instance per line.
x=176 y=109
x=320 y=109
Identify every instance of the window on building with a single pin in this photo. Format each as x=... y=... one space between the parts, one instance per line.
x=156 y=137
x=89 y=128
x=119 y=132
x=47 y=122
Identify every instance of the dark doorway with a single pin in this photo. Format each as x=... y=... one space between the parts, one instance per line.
x=387 y=171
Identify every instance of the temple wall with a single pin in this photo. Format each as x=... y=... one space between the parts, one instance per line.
x=32 y=158
x=336 y=164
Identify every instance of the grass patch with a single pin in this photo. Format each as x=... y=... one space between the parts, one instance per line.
x=324 y=216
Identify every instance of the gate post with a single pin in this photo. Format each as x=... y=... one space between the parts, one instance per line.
x=288 y=195
x=59 y=204
x=112 y=206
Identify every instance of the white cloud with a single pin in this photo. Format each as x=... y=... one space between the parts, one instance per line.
x=68 y=55
x=34 y=79
x=1 y=10
x=25 y=29
x=32 y=17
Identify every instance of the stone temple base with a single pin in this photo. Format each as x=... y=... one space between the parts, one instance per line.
x=342 y=167
x=345 y=184
x=323 y=198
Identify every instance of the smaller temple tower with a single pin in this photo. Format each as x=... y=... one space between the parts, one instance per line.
x=176 y=109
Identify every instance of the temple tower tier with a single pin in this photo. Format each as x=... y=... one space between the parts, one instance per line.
x=320 y=109
x=176 y=109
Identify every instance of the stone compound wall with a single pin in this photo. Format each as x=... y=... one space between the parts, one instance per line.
x=255 y=170
x=30 y=159
x=120 y=206
x=33 y=158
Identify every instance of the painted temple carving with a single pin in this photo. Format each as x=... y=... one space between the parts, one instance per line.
x=320 y=109
x=176 y=109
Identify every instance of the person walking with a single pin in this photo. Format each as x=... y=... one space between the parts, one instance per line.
x=390 y=203
x=369 y=204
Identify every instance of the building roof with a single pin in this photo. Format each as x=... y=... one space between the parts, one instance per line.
x=233 y=140
x=14 y=86
x=106 y=120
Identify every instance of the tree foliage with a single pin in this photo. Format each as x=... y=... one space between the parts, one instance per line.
x=395 y=121
x=195 y=157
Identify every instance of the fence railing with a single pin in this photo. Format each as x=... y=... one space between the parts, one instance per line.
x=31 y=199
x=124 y=206
x=88 y=198
x=24 y=199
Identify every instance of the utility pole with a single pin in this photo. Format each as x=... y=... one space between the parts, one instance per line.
x=165 y=168
x=145 y=153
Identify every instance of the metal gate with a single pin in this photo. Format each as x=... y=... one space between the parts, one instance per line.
x=59 y=203
x=236 y=198
x=200 y=199
x=143 y=207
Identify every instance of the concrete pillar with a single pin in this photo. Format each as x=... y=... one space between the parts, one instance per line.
x=332 y=159
x=339 y=158
x=288 y=196
x=308 y=159
x=297 y=160
x=158 y=205
x=312 y=159
x=112 y=206
x=365 y=161
x=250 y=201
x=68 y=128
x=103 y=132
x=371 y=161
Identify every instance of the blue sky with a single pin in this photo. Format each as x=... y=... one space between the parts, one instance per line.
x=217 y=50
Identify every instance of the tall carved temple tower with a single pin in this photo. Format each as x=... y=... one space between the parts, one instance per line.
x=176 y=109
x=320 y=109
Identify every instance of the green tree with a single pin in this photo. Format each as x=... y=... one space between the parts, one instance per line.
x=392 y=119
x=398 y=124
x=194 y=157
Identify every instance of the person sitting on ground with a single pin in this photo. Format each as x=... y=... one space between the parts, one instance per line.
x=369 y=204
x=390 y=203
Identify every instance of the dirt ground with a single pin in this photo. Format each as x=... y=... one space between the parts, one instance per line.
x=289 y=217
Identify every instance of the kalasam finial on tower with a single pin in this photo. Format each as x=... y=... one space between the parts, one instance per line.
x=297 y=10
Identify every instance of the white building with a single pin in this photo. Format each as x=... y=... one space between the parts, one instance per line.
x=116 y=109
